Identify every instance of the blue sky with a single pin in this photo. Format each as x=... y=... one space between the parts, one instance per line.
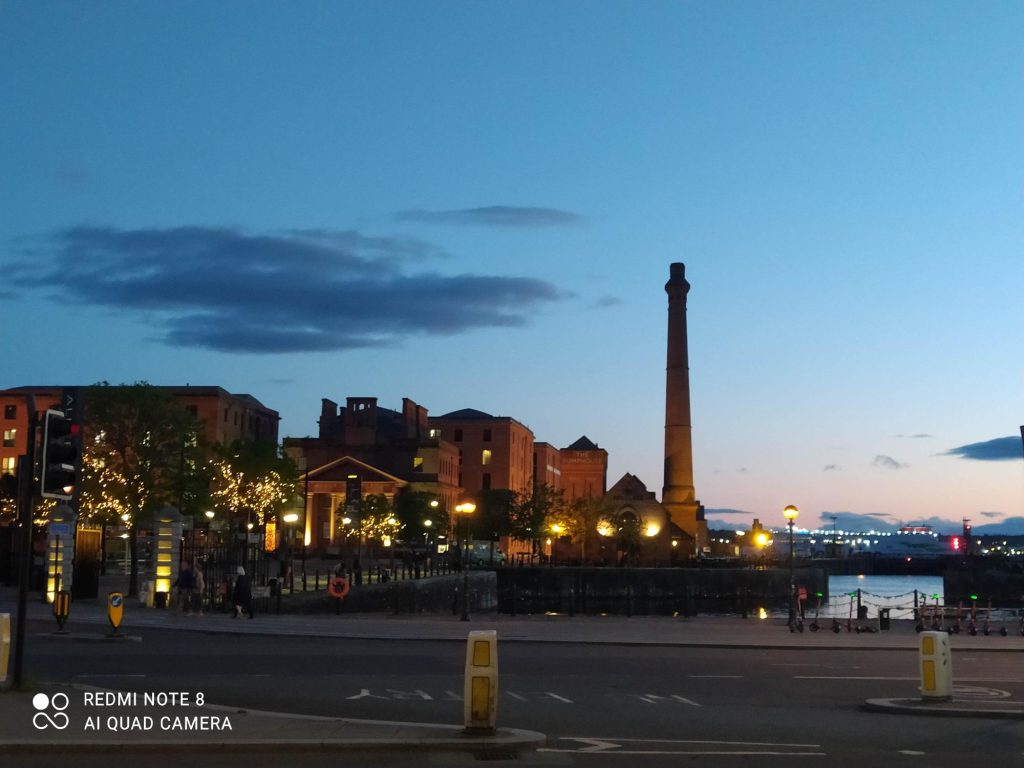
x=475 y=205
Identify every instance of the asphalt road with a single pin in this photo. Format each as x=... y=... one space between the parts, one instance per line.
x=600 y=704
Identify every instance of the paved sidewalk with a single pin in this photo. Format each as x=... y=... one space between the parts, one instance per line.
x=265 y=730
x=88 y=621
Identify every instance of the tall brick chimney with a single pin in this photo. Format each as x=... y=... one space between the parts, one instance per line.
x=678 y=495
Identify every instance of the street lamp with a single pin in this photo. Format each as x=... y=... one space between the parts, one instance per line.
x=761 y=540
x=790 y=513
x=290 y=520
x=465 y=509
x=389 y=541
x=558 y=530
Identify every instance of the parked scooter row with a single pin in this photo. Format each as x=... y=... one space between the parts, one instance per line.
x=934 y=618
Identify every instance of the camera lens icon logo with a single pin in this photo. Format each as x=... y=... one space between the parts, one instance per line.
x=43 y=719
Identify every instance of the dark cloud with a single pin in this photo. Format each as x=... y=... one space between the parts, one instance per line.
x=999 y=449
x=855 y=521
x=298 y=291
x=1010 y=526
x=605 y=302
x=991 y=515
x=882 y=521
x=887 y=462
x=726 y=511
x=832 y=468
x=915 y=437
x=496 y=216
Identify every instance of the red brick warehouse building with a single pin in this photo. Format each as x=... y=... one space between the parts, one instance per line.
x=366 y=449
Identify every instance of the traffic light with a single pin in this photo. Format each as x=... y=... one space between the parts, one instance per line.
x=59 y=474
x=353 y=493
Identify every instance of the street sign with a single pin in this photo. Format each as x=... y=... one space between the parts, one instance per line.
x=60 y=529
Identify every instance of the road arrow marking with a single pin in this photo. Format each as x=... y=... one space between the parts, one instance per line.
x=597 y=745
x=738 y=748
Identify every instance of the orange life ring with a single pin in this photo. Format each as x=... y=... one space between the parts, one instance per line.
x=338 y=587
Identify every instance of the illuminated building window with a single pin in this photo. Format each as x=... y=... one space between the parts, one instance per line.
x=9 y=465
x=435 y=434
x=417 y=464
x=9 y=435
x=485 y=457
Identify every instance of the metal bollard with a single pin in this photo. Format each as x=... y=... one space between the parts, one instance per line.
x=480 y=693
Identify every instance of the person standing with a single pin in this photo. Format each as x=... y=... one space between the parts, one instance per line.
x=198 y=588
x=242 y=594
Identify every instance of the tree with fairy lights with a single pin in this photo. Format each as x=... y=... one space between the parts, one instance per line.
x=8 y=499
x=251 y=482
x=579 y=520
x=377 y=523
x=138 y=439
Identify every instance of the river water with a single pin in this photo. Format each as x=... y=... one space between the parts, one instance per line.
x=893 y=592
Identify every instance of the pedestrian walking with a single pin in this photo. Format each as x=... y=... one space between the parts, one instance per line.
x=183 y=584
x=242 y=594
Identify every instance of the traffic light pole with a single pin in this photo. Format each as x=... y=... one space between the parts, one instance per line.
x=26 y=481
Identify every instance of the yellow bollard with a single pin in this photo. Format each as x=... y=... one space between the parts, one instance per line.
x=936 y=667
x=61 y=609
x=115 y=610
x=481 y=688
x=5 y=644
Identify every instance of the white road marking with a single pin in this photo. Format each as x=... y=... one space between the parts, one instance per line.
x=653 y=698
x=739 y=748
x=515 y=696
x=560 y=698
x=716 y=677
x=731 y=752
x=869 y=677
x=849 y=677
x=910 y=752
x=88 y=676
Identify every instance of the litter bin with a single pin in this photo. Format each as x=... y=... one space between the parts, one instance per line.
x=883 y=618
